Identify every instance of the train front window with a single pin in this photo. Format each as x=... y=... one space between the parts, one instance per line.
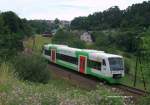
x=115 y=64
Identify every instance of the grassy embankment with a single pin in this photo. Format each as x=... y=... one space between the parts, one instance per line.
x=56 y=92
x=14 y=92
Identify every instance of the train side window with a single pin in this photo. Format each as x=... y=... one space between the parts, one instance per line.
x=94 y=64
x=73 y=60
x=47 y=52
x=104 y=63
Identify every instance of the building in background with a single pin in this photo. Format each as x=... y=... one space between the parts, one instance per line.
x=87 y=37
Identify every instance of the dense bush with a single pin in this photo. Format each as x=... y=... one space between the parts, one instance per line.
x=127 y=65
x=13 y=30
x=102 y=41
x=31 y=68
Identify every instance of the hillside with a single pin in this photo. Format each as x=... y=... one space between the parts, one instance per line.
x=25 y=77
x=134 y=16
x=123 y=32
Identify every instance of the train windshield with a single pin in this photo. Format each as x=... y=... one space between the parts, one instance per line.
x=116 y=64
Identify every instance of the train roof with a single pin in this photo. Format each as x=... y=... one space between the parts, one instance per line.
x=71 y=49
x=94 y=53
x=54 y=45
x=110 y=55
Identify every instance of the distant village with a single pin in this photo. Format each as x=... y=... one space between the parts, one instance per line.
x=84 y=35
x=61 y=24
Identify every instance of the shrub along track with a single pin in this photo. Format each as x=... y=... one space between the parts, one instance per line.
x=89 y=83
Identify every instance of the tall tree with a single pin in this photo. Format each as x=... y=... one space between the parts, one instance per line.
x=13 y=30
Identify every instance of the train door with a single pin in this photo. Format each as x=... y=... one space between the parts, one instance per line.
x=53 y=55
x=104 y=67
x=82 y=64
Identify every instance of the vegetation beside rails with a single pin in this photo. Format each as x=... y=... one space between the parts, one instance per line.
x=31 y=68
x=55 y=92
x=36 y=43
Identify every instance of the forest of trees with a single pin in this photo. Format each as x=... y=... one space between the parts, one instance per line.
x=46 y=26
x=124 y=32
x=117 y=29
x=42 y=26
x=136 y=15
x=65 y=37
x=128 y=25
x=12 y=32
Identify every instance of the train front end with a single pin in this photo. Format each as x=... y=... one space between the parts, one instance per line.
x=116 y=66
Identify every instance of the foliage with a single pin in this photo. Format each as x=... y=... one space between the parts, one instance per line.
x=127 y=41
x=80 y=23
x=39 y=42
x=28 y=30
x=146 y=39
x=57 y=91
x=136 y=15
x=144 y=101
x=128 y=66
x=15 y=24
x=67 y=38
x=32 y=68
x=47 y=26
x=123 y=39
x=102 y=41
x=40 y=26
x=13 y=30
x=77 y=43
x=6 y=73
x=10 y=44
x=56 y=24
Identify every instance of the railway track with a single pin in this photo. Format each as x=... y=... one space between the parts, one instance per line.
x=133 y=90
x=89 y=82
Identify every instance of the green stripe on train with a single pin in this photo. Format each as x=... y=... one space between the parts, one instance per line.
x=67 y=64
x=89 y=71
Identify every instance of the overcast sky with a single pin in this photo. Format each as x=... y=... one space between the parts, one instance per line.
x=61 y=9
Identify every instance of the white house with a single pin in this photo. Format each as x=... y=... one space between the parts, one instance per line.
x=87 y=37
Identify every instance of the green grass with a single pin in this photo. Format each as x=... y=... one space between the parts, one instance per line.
x=56 y=92
x=129 y=78
x=39 y=42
